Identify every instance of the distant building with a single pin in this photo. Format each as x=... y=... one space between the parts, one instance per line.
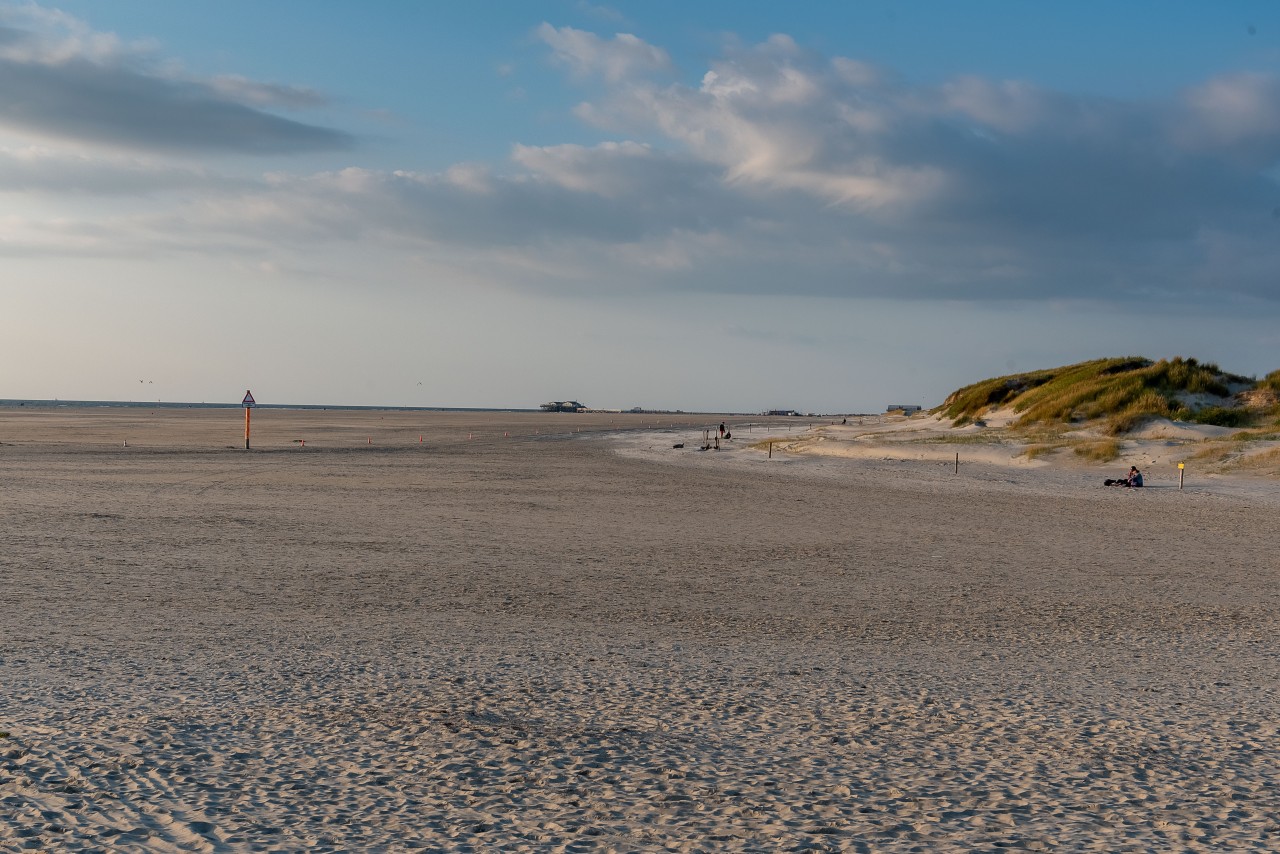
x=782 y=412
x=907 y=408
x=563 y=406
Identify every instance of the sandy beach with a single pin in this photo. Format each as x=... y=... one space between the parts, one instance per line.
x=538 y=632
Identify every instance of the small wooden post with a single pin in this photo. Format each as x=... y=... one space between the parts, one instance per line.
x=1181 y=470
x=770 y=450
x=957 y=462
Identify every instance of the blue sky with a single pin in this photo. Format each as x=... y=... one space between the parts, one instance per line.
x=703 y=206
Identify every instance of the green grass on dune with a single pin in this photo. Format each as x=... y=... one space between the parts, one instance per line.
x=1122 y=392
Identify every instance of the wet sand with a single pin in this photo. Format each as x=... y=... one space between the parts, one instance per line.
x=582 y=641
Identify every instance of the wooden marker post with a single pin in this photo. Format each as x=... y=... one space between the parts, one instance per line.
x=1181 y=468
x=248 y=404
x=957 y=462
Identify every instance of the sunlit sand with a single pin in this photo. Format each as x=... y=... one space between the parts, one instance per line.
x=525 y=631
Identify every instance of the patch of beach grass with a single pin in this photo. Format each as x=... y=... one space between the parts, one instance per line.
x=1145 y=406
x=1214 y=452
x=963 y=439
x=1268 y=460
x=1264 y=435
x=1032 y=452
x=1223 y=416
x=1043 y=434
x=1102 y=451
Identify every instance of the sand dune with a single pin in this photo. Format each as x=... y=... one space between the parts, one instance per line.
x=539 y=639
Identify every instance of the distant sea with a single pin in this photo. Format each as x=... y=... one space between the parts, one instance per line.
x=143 y=404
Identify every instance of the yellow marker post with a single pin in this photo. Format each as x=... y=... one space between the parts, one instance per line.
x=248 y=404
x=1181 y=467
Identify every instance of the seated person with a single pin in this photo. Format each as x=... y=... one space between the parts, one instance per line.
x=1134 y=479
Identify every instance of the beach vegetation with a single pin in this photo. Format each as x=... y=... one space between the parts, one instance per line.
x=962 y=439
x=1031 y=452
x=1263 y=435
x=966 y=404
x=1102 y=451
x=1222 y=416
x=1121 y=392
x=1213 y=452
x=1268 y=459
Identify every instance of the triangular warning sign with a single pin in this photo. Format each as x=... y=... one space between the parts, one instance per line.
x=248 y=398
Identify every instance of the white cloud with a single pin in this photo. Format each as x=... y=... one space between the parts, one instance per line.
x=33 y=34
x=774 y=117
x=616 y=59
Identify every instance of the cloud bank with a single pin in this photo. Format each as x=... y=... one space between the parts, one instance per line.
x=60 y=81
x=775 y=170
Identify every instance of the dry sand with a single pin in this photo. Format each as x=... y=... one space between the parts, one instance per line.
x=589 y=641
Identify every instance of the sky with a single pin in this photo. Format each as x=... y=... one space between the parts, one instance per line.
x=713 y=206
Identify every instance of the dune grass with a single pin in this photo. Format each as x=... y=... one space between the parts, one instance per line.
x=1269 y=459
x=1215 y=452
x=1223 y=416
x=966 y=404
x=1102 y=451
x=969 y=439
x=1123 y=392
x=1031 y=452
x=1264 y=435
